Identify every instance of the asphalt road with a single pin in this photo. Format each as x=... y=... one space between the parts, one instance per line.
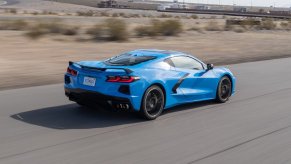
x=39 y=125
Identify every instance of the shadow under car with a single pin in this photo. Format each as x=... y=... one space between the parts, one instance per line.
x=73 y=116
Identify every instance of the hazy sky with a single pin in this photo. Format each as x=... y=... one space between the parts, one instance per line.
x=276 y=3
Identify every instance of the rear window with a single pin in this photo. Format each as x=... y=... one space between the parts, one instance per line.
x=128 y=59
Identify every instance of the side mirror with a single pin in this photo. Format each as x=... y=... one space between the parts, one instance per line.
x=210 y=66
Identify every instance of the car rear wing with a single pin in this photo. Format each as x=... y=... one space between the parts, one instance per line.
x=126 y=70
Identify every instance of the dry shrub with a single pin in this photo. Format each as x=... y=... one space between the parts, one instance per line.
x=35 y=33
x=18 y=25
x=9 y=10
x=155 y=27
x=35 y=13
x=97 y=32
x=243 y=23
x=228 y=27
x=213 y=26
x=44 y=12
x=253 y=24
x=196 y=28
x=160 y=28
x=48 y=13
x=87 y=14
x=267 y=24
x=194 y=16
x=133 y=16
x=54 y=27
x=111 y=29
x=143 y=31
x=104 y=14
x=239 y=30
x=115 y=15
x=122 y=15
x=250 y=23
x=12 y=11
x=171 y=27
x=185 y=17
x=70 y=31
x=285 y=25
x=165 y=16
x=117 y=29
x=150 y=16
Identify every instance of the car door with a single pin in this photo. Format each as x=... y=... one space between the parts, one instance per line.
x=198 y=83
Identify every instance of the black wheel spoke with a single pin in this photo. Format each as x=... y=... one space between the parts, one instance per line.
x=225 y=89
x=159 y=100
x=154 y=102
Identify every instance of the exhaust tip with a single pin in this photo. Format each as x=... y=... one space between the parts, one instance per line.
x=122 y=106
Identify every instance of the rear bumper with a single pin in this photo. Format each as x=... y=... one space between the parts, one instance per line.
x=91 y=97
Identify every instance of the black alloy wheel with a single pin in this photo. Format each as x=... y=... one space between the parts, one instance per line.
x=224 y=90
x=152 y=103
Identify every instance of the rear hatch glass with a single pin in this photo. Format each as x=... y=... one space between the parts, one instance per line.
x=128 y=59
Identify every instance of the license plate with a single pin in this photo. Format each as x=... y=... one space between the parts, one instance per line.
x=89 y=81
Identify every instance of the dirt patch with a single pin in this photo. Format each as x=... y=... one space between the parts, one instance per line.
x=26 y=62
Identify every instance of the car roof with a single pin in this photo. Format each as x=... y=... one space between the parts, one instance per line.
x=155 y=52
x=161 y=54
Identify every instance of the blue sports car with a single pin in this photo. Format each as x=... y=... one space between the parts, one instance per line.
x=147 y=81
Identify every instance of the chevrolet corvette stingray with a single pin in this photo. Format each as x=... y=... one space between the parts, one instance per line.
x=147 y=81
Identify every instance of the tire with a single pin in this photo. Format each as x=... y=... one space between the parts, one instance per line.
x=152 y=103
x=224 y=90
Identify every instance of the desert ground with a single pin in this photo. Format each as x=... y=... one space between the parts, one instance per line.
x=30 y=62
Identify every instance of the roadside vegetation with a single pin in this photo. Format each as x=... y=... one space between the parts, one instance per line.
x=17 y=25
x=115 y=27
x=244 y=25
x=56 y=27
x=111 y=29
x=169 y=27
x=213 y=26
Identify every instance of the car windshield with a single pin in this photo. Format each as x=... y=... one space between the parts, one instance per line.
x=128 y=59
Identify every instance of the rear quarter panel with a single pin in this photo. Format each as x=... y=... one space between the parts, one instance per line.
x=166 y=77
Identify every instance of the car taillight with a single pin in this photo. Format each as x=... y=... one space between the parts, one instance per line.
x=122 y=79
x=71 y=71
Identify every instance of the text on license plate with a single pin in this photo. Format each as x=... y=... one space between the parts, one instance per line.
x=90 y=81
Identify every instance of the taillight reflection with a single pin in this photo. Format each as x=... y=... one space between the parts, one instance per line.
x=122 y=79
x=71 y=71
